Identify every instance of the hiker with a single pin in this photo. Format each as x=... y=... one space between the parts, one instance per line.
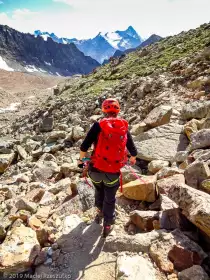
x=111 y=140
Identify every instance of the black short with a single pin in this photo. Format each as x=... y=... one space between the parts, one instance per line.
x=108 y=179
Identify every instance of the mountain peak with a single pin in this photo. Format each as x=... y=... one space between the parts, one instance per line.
x=131 y=29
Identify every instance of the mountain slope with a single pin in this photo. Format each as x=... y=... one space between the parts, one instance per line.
x=24 y=52
x=103 y=46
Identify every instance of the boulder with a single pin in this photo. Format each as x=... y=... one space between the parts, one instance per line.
x=140 y=242
x=196 y=110
x=43 y=213
x=77 y=133
x=167 y=257
x=19 y=250
x=46 y=124
x=143 y=189
x=181 y=156
x=169 y=219
x=196 y=173
x=128 y=174
x=194 y=203
x=191 y=127
x=35 y=195
x=56 y=135
x=195 y=272
x=166 y=172
x=134 y=267
x=68 y=168
x=200 y=155
x=166 y=203
x=35 y=223
x=22 y=215
x=205 y=186
x=165 y=184
x=24 y=204
x=161 y=143
x=144 y=219
x=22 y=178
x=47 y=199
x=45 y=170
x=22 y=152
x=139 y=128
x=62 y=185
x=200 y=139
x=82 y=202
x=5 y=161
x=159 y=116
x=156 y=165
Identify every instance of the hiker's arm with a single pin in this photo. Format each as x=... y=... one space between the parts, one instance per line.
x=91 y=138
x=131 y=148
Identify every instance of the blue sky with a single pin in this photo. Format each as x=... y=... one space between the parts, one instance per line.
x=85 y=18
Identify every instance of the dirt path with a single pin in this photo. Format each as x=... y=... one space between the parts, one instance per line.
x=81 y=257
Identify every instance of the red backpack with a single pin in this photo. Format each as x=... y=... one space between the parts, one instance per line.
x=110 y=153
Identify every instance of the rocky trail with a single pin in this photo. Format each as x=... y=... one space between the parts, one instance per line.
x=162 y=228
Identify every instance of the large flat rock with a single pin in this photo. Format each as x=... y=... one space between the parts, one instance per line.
x=161 y=143
x=194 y=203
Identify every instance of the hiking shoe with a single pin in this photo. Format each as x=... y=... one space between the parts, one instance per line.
x=99 y=218
x=107 y=230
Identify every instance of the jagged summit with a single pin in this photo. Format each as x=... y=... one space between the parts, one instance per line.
x=103 y=45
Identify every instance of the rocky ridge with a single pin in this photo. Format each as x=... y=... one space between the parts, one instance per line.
x=25 y=53
x=163 y=226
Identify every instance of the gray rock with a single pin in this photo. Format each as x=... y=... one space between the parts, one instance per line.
x=165 y=184
x=45 y=170
x=23 y=204
x=22 y=152
x=159 y=116
x=46 y=124
x=77 y=133
x=196 y=272
x=19 y=250
x=47 y=199
x=156 y=165
x=61 y=185
x=140 y=242
x=180 y=156
x=196 y=110
x=195 y=173
x=139 y=128
x=56 y=135
x=135 y=267
x=200 y=139
x=168 y=172
x=161 y=143
x=194 y=203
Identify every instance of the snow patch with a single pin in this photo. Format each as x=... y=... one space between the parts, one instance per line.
x=113 y=38
x=11 y=108
x=45 y=36
x=4 y=66
x=47 y=63
x=41 y=70
x=58 y=74
x=32 y=68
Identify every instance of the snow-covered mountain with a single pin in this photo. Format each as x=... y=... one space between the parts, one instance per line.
x=103 y=46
